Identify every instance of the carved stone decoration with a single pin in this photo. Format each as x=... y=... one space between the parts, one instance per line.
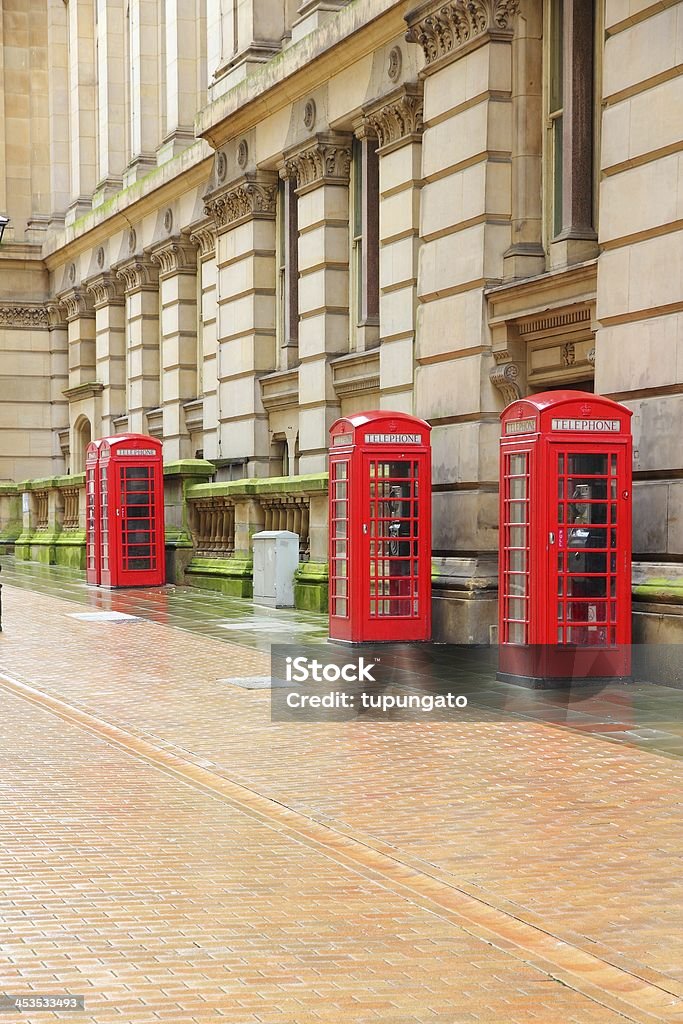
x=395 y=63
x=591 y=356
x=399 y=118
x=242 y=154
x=105 y=290
x=99 y=257
x=56 y=316
x=176 y=256
x=71 y=272
x=309 y=113
x=247 y=198
x=77 y=304
x=137 y=274
x=450 y=26
x=168 y=221
x=23 y=316
x=505 y=376
x=204 y=237
x=221 y=166
x=132 y=240
x=327 y=159
x=568 y=354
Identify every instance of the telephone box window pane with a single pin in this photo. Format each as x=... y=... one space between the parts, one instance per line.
x=516 y=633
x=518 y=536
x=517 y=608
x=518 y=464
x=340 y=489
x=341 y=470
x=340 y=587
x=583 y=464
x=517 y=584
x=613 y=465
x=518 y=487
x=518 y=561
x=340 y=606
x=518 y=511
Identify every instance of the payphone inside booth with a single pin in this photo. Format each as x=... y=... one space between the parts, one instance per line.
x=380 y=528
x=131 y=512
x=565 y=539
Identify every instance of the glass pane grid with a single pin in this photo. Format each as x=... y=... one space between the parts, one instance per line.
x=394 y=533
x=515 y=539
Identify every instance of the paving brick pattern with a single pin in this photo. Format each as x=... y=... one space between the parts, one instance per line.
x=573 y=835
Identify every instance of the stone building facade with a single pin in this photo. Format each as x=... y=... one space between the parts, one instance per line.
x=232 y=222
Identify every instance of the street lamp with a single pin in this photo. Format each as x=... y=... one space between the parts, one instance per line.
x=4 y=221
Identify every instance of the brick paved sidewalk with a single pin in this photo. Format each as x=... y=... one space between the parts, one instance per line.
x=561 y=850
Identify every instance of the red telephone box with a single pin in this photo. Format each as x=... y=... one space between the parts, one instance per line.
x=380 y=528
x=126 y=529
x=565 y=539
x=92 y=512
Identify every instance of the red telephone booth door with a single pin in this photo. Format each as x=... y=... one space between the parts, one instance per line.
x=136 y=546
x=589 y=547
x=92 y=517
x=395 y=548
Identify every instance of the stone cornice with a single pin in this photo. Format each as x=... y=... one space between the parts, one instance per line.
x=325 y=160
x=91 y=389
x=77 y=304
x=174 y=256
x=204 y=237
x=398 y=118
x=250 y=198
x=23 y=316
x=443 y=29
x=137 y=274
x=105 y=290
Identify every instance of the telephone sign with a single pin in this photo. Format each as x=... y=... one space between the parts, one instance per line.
x=565 y=539
x=380 y=528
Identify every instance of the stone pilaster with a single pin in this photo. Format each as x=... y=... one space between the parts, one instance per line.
x=182 y=100
x=244 y=216
x=177 y=262
x=144 y=88
x=397 y=120
x=110 y=346
x=82 y=106
x=141 y=289
x=80 y=318
x=58 y=108
x=251 y=33
x=526 y=255
x=111 y=98
x=321 y=168
x=465 y=230
x=59 y=379
x=312 y=14
x=204 y=237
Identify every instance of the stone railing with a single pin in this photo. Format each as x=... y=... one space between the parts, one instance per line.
x=223 y=517
x=10 y=515
x=52 y=519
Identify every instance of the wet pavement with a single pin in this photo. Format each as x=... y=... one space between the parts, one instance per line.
x=172 y=853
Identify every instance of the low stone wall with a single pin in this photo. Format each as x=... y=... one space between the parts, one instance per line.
x=52 y=521
x=223 y=517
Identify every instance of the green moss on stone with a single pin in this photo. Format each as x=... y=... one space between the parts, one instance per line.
x=311 y=587
x=229 y=576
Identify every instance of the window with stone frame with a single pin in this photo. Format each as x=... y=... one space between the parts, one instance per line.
x=364 y=239
x=571 y=102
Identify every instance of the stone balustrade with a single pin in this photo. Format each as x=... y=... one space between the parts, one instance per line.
x=47 y=520
x=223 y=517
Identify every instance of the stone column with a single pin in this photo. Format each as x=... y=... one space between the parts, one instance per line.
x=58 y=110
x=82 y=106
x=311 y=14
x=177 y=262
x=182 y=101
x=526 y=255
x=144 y=88
x=244 y=215
x=398 y=124
x=465 y=230
x=251 y=32
x=321 y=167
x=141 y=288
x=204 y=237
x=57 y=98
x=111 y=99
x=110 y=347
x=59 y=379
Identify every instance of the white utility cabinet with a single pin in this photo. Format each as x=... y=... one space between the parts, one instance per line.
x=276 y=557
